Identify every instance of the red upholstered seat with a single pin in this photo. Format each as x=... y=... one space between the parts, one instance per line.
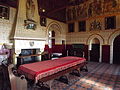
x=42 y=69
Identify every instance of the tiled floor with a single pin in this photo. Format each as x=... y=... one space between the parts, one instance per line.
x=101 y=76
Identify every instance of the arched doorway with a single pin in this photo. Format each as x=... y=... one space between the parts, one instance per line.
x=116 y=50
x=95 y=50
x=98 y=39
x=54 y=38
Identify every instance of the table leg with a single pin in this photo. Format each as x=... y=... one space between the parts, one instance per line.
x=63 y=79
x=76 y=72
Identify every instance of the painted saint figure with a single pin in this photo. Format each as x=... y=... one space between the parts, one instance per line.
x=30 y=9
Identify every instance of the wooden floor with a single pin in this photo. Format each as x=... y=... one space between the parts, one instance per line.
x=101 y=76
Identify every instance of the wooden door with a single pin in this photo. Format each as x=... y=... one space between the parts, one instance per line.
x=95 y=53
x=116 y=50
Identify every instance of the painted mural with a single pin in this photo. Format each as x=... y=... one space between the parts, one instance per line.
x=93 y=8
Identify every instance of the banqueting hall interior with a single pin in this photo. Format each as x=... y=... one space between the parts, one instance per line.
x=59 y=44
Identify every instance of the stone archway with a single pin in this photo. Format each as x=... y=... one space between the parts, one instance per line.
x=56 y=39
x=95 y=50
x=110 y=42
x=90 y=41
x=56 y=28
x=116 y=50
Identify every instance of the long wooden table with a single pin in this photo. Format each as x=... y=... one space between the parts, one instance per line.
x=50 y=69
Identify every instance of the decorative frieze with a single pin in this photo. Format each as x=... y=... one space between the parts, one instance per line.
x=90 y=9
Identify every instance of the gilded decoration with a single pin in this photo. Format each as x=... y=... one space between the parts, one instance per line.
x=93 y=8
x=95 y=25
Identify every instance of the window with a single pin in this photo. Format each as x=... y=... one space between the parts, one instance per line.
x=71 y=27
x=51 y=39
x=63 y=42
x=4 y=12
x=53 y=33
x=82 y=26
x=110 y=22
x=43 y=21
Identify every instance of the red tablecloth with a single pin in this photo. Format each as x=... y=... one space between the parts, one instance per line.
x=42 y=69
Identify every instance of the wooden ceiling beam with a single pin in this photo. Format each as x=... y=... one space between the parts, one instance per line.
x=56 y=10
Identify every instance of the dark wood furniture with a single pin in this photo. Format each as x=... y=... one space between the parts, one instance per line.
x=40 y=72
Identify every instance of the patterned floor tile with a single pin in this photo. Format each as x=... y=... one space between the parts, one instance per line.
x=117 y=88
x=97 y=88
x=117 y=82
x=117 y=85
x=110 y=86
x=95 y=79
x=80 y=88
x=111 y=83
x=103 y=81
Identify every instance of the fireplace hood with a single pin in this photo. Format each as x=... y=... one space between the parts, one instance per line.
x=28 y=26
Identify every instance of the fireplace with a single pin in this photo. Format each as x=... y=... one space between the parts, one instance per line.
x=28 y=50
x=28 y=56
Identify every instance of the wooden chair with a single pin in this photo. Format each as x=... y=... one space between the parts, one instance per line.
x=12 y=81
